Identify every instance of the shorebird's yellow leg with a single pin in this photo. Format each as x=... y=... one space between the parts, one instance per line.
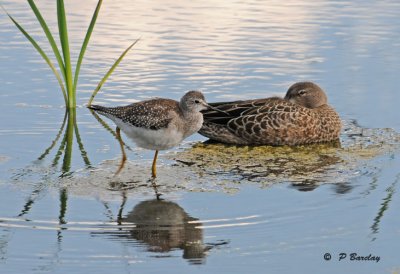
x=121 y=143
x=154 y=166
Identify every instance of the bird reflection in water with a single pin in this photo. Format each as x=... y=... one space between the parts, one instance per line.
x=164 y=226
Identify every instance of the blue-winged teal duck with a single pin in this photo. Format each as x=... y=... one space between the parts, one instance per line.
x=302 y=117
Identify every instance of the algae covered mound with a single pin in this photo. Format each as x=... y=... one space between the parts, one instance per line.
x=301 y=165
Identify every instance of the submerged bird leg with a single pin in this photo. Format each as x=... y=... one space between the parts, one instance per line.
x=121 y=143
x=154 y=185
x=154 y=167
x=121 y=208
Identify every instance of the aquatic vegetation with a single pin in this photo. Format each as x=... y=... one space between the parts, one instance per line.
x=68 y=80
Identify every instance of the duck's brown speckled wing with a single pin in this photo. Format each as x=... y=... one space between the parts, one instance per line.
x=231 y=110
x=152 y=114
x=271 y=121
x=277 y=122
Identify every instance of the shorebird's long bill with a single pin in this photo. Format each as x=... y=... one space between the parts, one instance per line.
x=216 y=109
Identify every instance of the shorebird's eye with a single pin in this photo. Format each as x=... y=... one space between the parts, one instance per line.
x=197 y=101
x=302 y=92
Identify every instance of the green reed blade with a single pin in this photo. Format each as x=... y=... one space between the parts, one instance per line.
x=60 y=150
x=44 y=56
x=29 y=202
x=49 y=36
x=69 y=135
x=107 y=127
x=60 y=131
x=109 y=72
x=63 y=31
x=85 y=43
x=63 y=206
x=84 y=154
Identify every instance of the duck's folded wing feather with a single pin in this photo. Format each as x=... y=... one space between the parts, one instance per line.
x=274 y=123
x=231 y=110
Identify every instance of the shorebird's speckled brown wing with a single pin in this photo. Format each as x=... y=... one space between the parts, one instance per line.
x=153 y=114
x=271 y=121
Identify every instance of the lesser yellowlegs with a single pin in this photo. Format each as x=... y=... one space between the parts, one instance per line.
x=302 y=117
x=158 y=124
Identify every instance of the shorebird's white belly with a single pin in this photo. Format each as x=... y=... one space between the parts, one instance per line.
x=160 y=139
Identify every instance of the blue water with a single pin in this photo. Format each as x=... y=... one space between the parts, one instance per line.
x=229 y=50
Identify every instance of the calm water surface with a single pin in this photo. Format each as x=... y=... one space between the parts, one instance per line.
x=70 y=215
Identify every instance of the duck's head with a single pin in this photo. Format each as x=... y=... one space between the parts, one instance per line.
x=306 y=94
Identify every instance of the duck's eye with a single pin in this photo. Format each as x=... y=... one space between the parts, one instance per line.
x=302 y=92
x=197 y=101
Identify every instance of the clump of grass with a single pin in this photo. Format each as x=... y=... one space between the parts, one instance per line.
x=67 y=80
